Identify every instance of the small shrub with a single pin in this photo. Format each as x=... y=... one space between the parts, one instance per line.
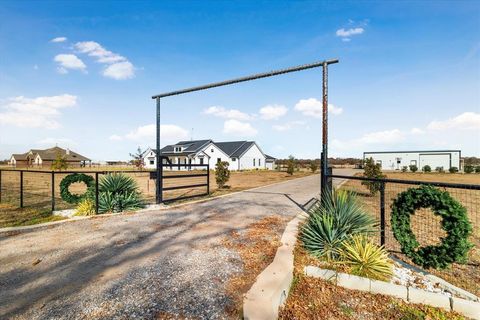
x=313 y=166
x=222 y=173
x=426 y=168
x=291 y=165
x=439 y=170
x=477 y=169
x=86 y=207
x=365 y=259
x=468 y=168
x=117 y=193
x=338 y=216
x=413 y=168
x=372 y=171
x=404 y=169
x=453 y=170
x=60 y=162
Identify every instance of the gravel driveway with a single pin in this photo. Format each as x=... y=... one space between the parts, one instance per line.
x=145 y=265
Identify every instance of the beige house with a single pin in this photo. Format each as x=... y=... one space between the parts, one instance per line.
x=44 y=158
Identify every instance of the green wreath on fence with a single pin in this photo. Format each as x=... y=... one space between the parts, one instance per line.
x=452 y=248
x=73 y=178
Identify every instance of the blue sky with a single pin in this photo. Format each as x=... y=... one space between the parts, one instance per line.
x=81 y=75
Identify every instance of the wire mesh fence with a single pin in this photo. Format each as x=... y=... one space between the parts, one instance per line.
x=424 y=223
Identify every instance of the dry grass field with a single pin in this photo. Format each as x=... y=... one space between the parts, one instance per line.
x=426 y=225
x=38 y=190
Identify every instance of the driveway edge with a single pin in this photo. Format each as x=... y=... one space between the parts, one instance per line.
x=272 y=286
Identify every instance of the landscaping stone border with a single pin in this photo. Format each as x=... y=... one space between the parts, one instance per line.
x=271 y=288
x=466 y=307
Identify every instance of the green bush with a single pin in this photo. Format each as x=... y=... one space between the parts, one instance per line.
x=453 y=170
x=117 y=193
x=372 y=171
x=313 y=166
x=404 y=169
x=291 y=165
x=222 y=174
x=426 y=168
x=477 y=169
x=413 y=168
x=337 y=217
x=439 y=170
x=468 y=168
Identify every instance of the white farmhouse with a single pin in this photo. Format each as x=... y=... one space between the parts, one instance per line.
x=241 y=155
x=395 y=160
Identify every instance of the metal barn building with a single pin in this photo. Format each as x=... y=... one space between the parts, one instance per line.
x=395 y=160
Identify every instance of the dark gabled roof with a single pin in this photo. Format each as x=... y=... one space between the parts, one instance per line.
x=231 y=147
x=51 y=154
x=270 y=157
x=190 y=147
x=242 y=149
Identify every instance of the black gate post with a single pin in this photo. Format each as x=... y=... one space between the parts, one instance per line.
x=324 y=127
x=382 y=213
x=21 y=188
x=96 y=192
x=53 y=190
x=208 y=178
x=159 y=181
x=0 y=185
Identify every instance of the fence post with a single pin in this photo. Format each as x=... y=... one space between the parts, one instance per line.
x=21 y=188
x=53 y=190
x=382 y=213
x=329 y=179
x=0 y=185
x=96 y=192
x=208 y=178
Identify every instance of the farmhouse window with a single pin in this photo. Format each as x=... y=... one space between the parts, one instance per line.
x=219 y=160
x=201 y=160
x=254 y=162
x=234 y=159
x=259 y=162
x=151 y=162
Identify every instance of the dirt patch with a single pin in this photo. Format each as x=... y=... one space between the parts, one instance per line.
x=257 y=246
x=312 y=298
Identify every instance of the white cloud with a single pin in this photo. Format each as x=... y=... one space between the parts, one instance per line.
x=273 y=112
x=382 y=137
x=313 y=107
x=238 y=128
x=464 y=121
x=349 y=32
x=115 y=137
x=221 y=112
x=36 y=112
x=59 y=39
x=119 y=68
x=69 y=61
x=417 y=131
x=288 y=125
x=169 y=133
x=120 y=71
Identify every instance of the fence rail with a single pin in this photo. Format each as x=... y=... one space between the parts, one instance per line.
x=424 y=224
x=41 y=188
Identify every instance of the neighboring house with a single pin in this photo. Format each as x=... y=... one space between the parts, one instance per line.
x=44 y=158
x=395 y=160
x=241 y=155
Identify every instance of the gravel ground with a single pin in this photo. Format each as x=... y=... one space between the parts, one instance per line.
x=146 y=265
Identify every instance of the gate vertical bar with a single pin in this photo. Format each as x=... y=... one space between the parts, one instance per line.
x=208 y=178
x=382 y=213
x=21 y=188
x=0 y=185
x=159 y=181
x=324 y=127
x=96 y=192
x=53 y=190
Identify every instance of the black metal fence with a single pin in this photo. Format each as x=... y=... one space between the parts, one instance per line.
x=41 y=188
x=425 y=225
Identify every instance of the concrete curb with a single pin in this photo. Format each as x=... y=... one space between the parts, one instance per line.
x=270 y=290
x=466 y=307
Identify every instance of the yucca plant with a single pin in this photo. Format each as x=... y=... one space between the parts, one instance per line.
x=366 y=259
x=118 y=192
x=337 y=217
x=86 y=207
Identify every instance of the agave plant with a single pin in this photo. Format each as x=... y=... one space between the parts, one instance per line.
x=364 y=258
x=332 y=221
x=118 y=192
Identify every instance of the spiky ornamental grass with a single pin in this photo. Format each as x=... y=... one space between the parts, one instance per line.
x=365 y=259
x=118 y=192
x=334 y=220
